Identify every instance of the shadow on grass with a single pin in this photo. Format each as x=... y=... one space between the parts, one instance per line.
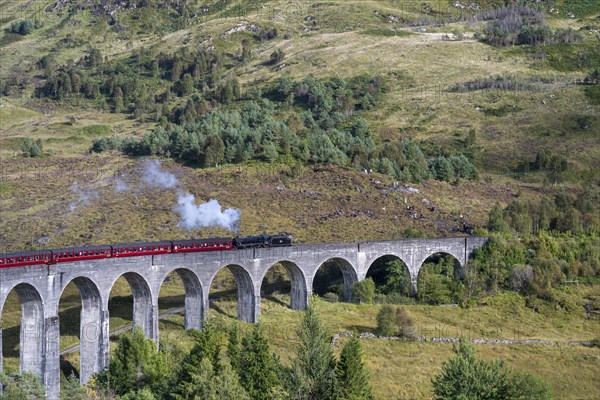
x=67 y=368
x=10 y=342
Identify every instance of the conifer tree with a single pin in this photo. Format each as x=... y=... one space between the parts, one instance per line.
x=352 y=374
x=314 y=368
x=205 y=351
x=258 y=370
x=137 y=364
x=234 y=348
x=71 y=389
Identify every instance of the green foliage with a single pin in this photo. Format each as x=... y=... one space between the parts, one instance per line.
x=234 y=348
x=22 y=27
x=386 y=321
x=363 y=291
x=386 y=32
x=205 y=351
x=438 y=281
x=258 y=367
x=313 y=371
x=31 y=148
x=467 y=377
x=136 y=364
x=26 y=386
x=106 y=143
x=352 y=374
x=71 y=389
x=592 y=92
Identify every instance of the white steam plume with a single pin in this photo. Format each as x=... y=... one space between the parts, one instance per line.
x=84 y=196
x=207 y=214
x=154 y=176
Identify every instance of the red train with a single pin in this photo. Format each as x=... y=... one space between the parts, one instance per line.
x=54 y=256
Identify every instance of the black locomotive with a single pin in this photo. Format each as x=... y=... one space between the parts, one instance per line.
x=263 y=240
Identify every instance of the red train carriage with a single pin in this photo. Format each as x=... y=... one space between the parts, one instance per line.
x=213 y=244
x=140 y=249
x=27 y=258
x=69 y=254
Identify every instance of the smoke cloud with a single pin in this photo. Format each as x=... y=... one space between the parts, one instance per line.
x=121 y=185
x=207 y=214
x=154 y=176
x=84 y=196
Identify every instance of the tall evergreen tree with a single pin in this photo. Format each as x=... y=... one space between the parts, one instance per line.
x=205 y=351
x=314 y=368
x=258 y=370
x=71 y=389
x=137 y=364
x=234 y=348
x=352 y=374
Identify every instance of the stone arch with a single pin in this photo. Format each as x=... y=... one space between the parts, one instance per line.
x=349 y=274
x=298 y=291
x=246 y=298
x=91 y=330
x=194 y=305
x=143 y=306
x=31 y=337
x=390 y=256
x=457 y=270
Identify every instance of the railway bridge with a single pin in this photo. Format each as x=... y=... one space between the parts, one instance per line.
x=39 y=289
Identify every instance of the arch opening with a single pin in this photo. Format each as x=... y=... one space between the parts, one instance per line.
x=335 y=276
x=81 y=334
x=282 y=281
x=130 y=304
x=180 y=292
x=233 y=283
x=21 y=330
x=440 y=280
x=392 y=278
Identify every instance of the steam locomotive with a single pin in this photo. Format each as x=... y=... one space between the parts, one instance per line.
x=70 y=254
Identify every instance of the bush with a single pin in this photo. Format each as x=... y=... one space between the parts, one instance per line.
x=331 y=297
x=469 y=378
x=22 y=27
x=32 y=148
x=406 y=325
x=386 y=321
x=363 y=291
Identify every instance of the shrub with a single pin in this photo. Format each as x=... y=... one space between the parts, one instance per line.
x=363 y=291
x=406 y=325
x=386 y=321
x=32 y=148
x=331 y=297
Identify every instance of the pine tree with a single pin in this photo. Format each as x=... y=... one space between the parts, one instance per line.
x=258 y=370
x=20 y=387
x=234 y=347
x=137 y=364
x=71 y=389
x=352 y=374
x=206 y=351
x=314 y=367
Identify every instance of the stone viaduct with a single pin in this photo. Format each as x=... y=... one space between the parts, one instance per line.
x=39 y=289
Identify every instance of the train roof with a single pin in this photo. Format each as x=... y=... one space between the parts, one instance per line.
x=24 y=253
x=136 y=244
x=94 y=247
x=208 y=240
